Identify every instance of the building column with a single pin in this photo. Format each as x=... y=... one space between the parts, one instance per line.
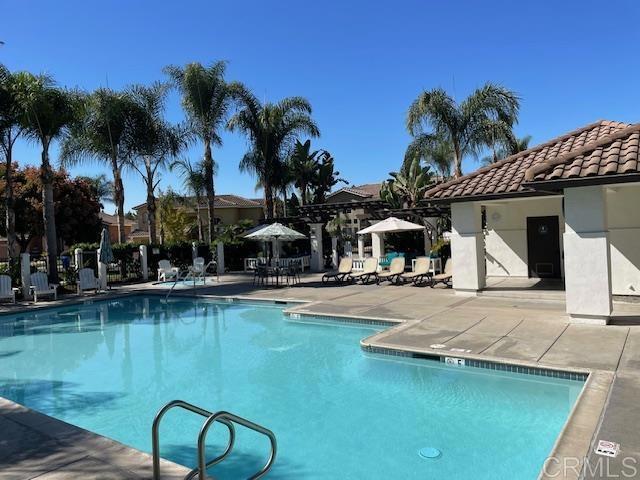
x=79 y=261
x=427 y=242
x=348 y=249
x=377 y=245
x=361 y=247
x=102 y=273
x=334 y=252
x=467 y=247
x=317 y=257
x=587 y=257
x=220 y=258
x=144 y=262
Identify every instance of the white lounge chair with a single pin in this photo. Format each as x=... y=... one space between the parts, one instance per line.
x=6 y=291
x=40 y=287
x=166 y=271
x=87 y=281
x=445 y=277
x=420 y=272
x=369 y=269
x=345 y=267
x=396 y=268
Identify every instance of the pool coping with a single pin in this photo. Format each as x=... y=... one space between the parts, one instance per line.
x=574 y=441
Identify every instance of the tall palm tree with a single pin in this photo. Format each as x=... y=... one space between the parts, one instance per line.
x=49 y=111
x=439 y=154
x=206 y=99
x=154 y=142
x=103 y=133
x=271 y=129
x=10 y=130
x=435 y=115
x=194 y=181
x=303 y=166
x=102 y=185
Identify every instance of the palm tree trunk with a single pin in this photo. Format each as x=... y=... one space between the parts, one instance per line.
x=151 y=203
x=457 y=163
x=268 y=200
x=118 y=198
x=48 y=213
x=198 y=219
x=284 y=203
x=10 y=212
x=210 y=188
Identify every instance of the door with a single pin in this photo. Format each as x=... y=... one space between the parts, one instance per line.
x=543 y=247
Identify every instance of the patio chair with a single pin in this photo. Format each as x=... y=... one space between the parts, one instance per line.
x=40 y=287
x=6 y=292
x=445 y=277
x=370 y=269
x=293 y=272
x=420 y=272
x=87 y=281
x=395 y=270
x=197 y=269
x=166 y=271
x=345 y=267
x=261 y=274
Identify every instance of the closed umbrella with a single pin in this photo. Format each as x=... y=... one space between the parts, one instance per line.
x=106 y=253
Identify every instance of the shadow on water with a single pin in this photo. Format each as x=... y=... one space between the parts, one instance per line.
x=10 y=354
x=55 y=397
x=238 y=465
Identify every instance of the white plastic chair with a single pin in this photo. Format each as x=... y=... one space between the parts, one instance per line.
x=87 y=281
x=197 y=270
x=166 y=271
x=6 y=292
x=40 y=287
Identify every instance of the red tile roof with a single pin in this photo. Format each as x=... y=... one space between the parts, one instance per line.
x=224 y=201
x=368 y=190
x=507 y=177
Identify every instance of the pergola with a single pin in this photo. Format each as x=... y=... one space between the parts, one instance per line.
x=317 y=215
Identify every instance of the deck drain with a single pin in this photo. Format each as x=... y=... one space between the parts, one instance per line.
x=429 y=452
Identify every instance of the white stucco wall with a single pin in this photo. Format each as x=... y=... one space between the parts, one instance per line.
x=506 y=238
x=623 y=205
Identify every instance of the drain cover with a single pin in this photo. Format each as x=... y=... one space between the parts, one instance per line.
x=429 y=452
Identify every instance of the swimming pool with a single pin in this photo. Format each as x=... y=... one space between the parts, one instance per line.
x=337 y=412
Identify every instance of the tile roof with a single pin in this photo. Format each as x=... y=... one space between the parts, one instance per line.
x=113 y=219
x=507 y=177
x=224 y=201
x=368 y=190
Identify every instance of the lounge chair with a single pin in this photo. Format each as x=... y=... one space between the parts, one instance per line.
x=6 y=292
x=369 y=270
x=420 y=271
x=166 y=271
x=40 y=287
x=445 y=277
x=395 y=270
x=87 y=281
x=344 y=270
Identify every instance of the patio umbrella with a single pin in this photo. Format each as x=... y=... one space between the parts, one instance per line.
x=106 y=253
x=390 y=225
x=275 y=231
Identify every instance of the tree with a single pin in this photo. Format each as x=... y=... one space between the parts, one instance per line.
x=10 y=130
x=154 y=141
x=303 y=166
x=206 y=99
x=511 y=146
x=48 y=112
x=103 y=186
x=436 y=116
x=326 y=178
x=174 y=222
x=103 y=133
x=439 y=154
x=76 y=206
x=194 y=181
x=272 y=129
x=408 y=186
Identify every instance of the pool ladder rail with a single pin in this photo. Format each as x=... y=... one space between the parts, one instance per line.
x=227 y=419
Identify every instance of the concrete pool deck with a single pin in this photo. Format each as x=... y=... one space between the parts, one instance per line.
x=529 y=329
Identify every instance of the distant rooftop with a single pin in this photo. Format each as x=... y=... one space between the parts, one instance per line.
x=369 y=191
x=224 y=201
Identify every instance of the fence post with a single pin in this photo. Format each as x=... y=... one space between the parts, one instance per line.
x=144 y=260
x=25 y=274
x=334 y=252
x=220 y=261
x=78 y=258
x=102 y=272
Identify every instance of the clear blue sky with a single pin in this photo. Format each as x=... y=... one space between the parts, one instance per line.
x=360 y=63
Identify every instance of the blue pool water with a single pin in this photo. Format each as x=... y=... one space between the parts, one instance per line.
x=336 y=411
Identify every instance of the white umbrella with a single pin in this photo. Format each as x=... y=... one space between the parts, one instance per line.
x=391 y=224
x=275 y=231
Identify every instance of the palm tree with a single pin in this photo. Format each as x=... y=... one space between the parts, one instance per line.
x=10 y=130
x=206 y=99
x=103 y=187
x=48 y=113
x=408 y=186
x=303 y=166
x=194 y=181
x=326 y=178
x=439 y=154
x=154 y=142
x=510 y=146
x=435 y=115
x=272 y=129
x=103 y=133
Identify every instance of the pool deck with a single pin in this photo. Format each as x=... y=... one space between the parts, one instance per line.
x=508 y=324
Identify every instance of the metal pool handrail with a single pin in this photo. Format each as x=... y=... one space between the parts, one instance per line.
x=227 y=419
